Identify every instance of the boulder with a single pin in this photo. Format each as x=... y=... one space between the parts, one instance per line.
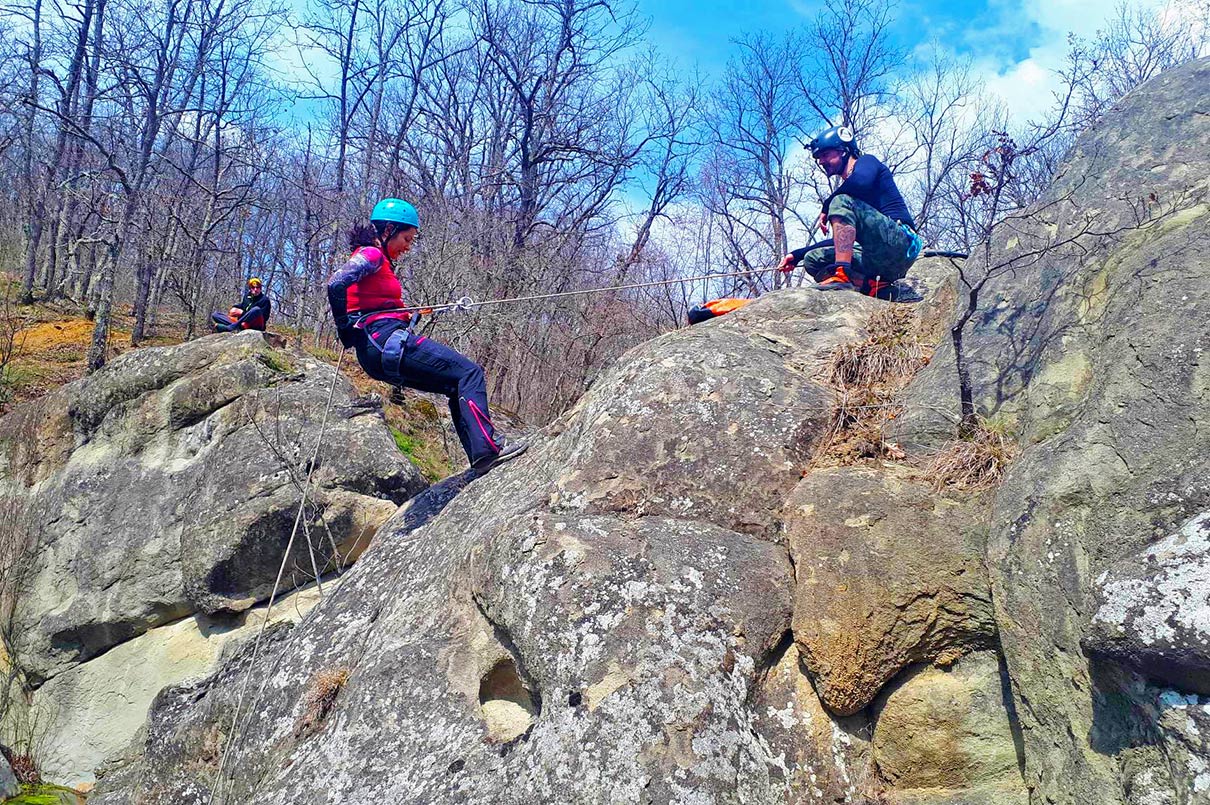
x=889 y=574
x=1153 y=609
x=88 y=714
x=203 y=444
x=945 y=736
x=606 y=618
x=560 y=659
x=1184 y=731
x=712 y=422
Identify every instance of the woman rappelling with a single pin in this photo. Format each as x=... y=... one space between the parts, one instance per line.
x=367 y=303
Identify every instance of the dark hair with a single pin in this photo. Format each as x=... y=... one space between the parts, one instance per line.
x=363 y=234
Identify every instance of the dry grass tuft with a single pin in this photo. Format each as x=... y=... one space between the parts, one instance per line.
x=867 y=377
x=977 y=461
x=890 y=356
x=23 y=766
x=321 y=696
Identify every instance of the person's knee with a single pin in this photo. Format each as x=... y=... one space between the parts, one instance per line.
x=842 y=209
x=470 y=373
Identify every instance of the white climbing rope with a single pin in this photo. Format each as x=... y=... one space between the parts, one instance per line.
x=302 y=503
x=466 y=303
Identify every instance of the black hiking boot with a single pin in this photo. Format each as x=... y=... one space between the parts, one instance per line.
x=508 y=451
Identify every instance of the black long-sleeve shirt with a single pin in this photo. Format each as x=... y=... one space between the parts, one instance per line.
x=261 y=301
x=872 y=182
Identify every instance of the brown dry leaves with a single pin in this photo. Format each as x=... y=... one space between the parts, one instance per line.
x=320 y=697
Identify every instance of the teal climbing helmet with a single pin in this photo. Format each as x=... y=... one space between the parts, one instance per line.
x=395 y=211
x=841 y=137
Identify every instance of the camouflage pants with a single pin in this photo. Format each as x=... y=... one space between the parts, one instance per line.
x=883 y=250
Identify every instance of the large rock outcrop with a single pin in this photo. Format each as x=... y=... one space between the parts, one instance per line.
x=167 y=484
x=671 y=598
x=1092 y=351
x=593 y=622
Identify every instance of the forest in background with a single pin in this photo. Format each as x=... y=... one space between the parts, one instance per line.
x=154 y=155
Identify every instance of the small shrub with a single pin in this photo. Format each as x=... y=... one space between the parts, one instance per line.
x=279 y=362
x=23 y=766
x=405 y=443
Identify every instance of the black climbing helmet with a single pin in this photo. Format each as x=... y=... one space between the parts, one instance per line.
x=841 y=137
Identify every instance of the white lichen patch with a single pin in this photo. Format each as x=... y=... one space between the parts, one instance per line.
x=1171 y=602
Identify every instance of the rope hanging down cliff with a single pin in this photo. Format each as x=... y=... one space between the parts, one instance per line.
x=236 y=727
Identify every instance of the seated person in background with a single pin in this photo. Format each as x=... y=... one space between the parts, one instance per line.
x=252 y=312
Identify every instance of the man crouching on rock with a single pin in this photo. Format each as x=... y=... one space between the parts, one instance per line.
x=874 y=240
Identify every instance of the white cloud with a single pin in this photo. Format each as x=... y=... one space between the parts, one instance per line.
x=1027 y=86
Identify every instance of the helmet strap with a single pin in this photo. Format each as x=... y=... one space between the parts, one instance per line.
x=386 y=232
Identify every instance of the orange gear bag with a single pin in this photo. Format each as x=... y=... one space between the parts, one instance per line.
x=715 y=308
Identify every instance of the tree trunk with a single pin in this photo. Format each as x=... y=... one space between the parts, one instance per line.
x=35 y=196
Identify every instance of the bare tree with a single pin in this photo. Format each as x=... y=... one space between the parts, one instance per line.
x=850 y=63
x=755 y=121
x=1138 y=43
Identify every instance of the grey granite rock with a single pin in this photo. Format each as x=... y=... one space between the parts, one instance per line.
x=167 y=484
x=1153 y=609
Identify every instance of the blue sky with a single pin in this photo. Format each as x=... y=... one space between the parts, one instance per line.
x=701 y=30
x=1014 y=44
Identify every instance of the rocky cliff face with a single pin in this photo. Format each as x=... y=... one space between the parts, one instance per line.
x=683 y=593
x=1096 y=357
x=165 y=487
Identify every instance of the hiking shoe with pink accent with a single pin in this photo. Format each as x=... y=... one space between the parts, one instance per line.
x=508 y=451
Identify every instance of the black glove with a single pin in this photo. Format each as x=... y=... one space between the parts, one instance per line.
x=347 y=335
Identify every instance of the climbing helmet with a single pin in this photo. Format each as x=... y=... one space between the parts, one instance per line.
x=395 y=211
x=841 y=137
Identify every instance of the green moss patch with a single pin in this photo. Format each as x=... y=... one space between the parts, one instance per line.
x=44 y=795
